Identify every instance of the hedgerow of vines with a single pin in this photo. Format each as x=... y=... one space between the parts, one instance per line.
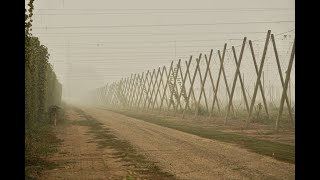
x=42 y=88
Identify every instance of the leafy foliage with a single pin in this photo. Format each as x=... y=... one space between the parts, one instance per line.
x=42 y=88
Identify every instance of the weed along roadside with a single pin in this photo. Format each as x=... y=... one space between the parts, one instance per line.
x=277 y=150
x=40 y=143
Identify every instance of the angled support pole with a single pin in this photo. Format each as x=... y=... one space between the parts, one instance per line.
x=192 y=82
x=237 y=73
x=285 y=88
x=260 y=85
x=174 y=85
x=149 y=86
x=136 y=90
x=153 y=88
x=259 y=76
x=183 y=89
x=158 y=89
x=165 y=88
x=142 y=88
x=281 y=77
x=202 y=82
x=214 y=90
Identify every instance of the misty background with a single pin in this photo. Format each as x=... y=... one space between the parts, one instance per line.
x=92 y=43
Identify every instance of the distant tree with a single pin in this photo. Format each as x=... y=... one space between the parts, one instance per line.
x=28 y=18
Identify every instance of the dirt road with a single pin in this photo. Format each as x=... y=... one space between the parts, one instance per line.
x=191 y=157
x=81 y=156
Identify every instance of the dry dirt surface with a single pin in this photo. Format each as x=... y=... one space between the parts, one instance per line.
x=79 y=158
x=191 y=157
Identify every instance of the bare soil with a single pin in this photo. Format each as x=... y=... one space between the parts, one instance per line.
x=79 y=157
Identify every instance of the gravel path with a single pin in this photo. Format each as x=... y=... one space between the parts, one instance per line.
x=191 y=157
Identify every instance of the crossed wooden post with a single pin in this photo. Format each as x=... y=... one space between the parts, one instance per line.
x=202 y=91
x=259 y=83
x=183 y=89
x=192 y=82
x=284 y=92
x=171 y=101
x=136 y=81
x=142 y=88
x=237 y=74
x=281 y=77
x=153 y=88
x=147 y=93
x=158 y=89
x=165 y=88
x=259 y=76
x=214 y=90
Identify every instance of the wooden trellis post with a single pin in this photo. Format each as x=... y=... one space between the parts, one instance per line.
x=145 y=92
x=128 y=87
x=183 y=89
x=131 y=87
x=259 y=83
x=192 y=92
x=106 y=94
x=123 y=93
x=259 y=76
x=165 y=87
x=219 y=74
x=119 y=93
x=281 y=77
x=191 y=86
x=284 y=91
x=228 y=94
x=158 y=89
x=142 y=88
x=127 y=90
x=149 y=85
x=174 y=85
x=213 y=88
x=153 y=88
x=135 y=81
x=237 y=73
x=221 y=70
x=244 y=96
x=109 y=96
x=202 y=85
x=138 y=90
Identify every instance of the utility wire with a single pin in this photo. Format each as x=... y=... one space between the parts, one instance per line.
x=173 y=9
x=164 y=25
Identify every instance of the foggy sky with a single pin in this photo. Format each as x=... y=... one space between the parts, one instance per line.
x=85 y=58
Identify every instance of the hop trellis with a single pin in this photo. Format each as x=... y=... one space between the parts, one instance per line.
x=235 y=75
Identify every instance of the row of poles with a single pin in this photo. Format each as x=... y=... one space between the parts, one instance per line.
x=141 y=93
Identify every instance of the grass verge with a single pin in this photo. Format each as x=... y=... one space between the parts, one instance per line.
x=40 y=142
x=279 y=151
